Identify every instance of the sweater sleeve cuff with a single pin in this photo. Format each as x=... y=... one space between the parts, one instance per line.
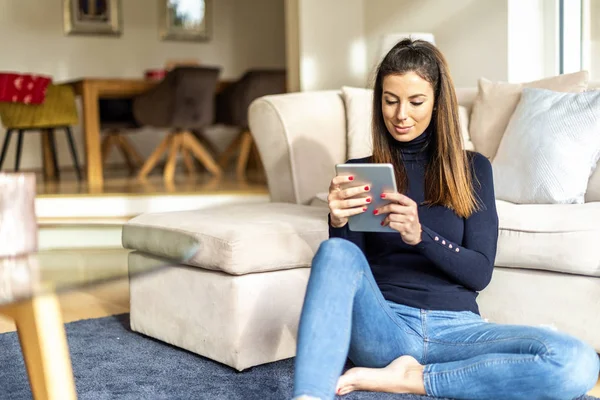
x=337 y=232
x=430 y=240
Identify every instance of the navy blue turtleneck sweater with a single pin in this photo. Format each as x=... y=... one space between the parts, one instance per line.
x=455 y=258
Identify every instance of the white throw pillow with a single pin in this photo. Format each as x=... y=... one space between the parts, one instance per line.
x=550 y=148
x=463 y=117
x=593 y=189
x=496 y=102
x=359 y=104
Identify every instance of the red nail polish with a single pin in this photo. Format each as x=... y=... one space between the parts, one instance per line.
x=364 y=208
x=350 y=178
x=375 y=212
x=383 y=195
x=368 y=200
x=366 y=188
x=381 y=223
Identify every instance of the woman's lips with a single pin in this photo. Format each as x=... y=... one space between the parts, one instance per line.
x=402 y=129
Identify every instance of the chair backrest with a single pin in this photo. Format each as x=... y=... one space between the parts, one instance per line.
x=233 y=102
x=195 y=89
x=171 y=64
x=184 y=99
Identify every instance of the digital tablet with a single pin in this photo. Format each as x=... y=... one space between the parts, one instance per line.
x=381 y=179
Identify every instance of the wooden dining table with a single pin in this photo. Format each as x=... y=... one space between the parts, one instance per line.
x=91 y=90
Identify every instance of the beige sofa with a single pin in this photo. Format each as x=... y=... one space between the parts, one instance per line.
x=238 y=300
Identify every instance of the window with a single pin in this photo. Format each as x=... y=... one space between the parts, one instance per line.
x=570 y=35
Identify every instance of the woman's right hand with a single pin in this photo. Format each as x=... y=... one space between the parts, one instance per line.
x=344 y=203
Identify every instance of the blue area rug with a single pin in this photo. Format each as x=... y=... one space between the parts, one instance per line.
x=112 y=362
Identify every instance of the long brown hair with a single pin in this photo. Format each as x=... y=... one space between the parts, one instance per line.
x=448 y=175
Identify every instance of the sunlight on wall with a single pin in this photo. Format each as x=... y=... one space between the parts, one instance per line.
x=308 y=73
x=358 y=59
x=525 y=40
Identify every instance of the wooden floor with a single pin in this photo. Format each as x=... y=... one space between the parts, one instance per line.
x=118 y=181
x=101 y=301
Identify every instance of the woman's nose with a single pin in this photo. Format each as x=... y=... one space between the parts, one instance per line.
x=402 y=114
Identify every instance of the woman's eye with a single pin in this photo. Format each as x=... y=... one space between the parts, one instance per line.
x=389 y=102
x=416 y=104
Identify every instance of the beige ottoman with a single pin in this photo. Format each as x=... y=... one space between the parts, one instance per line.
x=239 y=300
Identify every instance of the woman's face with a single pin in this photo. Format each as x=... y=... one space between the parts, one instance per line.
x=407 y=105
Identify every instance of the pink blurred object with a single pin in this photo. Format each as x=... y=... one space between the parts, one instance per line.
x=18 y=222
x=155 y=74
x=23 y=88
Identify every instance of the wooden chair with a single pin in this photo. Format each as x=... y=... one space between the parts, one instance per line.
x=116 y=121
x=232 y=109
x=183 y=102
x=58 y=111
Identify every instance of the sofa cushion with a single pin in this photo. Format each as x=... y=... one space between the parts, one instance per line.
x=358 y=102
x=236 y=239
x=496 y=102
x=553 y=237
x=593 y=189
x=550 y=148
x=359 y=105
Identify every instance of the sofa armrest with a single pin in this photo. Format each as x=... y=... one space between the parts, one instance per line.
x=300 y=137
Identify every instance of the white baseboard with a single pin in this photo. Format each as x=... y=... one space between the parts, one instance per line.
x=127 y=206
x=79 y=237
x=72 y=222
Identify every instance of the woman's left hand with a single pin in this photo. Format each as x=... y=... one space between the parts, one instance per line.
x=403 y=216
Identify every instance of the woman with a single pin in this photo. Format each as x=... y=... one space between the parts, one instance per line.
x=403 y=306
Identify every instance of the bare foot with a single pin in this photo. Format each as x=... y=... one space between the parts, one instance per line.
x=403 y=375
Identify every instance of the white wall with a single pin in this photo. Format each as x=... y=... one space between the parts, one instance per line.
x=507 y=40
x=338 y=41
x=331 y=44
x=472 y=34
x=245 y=34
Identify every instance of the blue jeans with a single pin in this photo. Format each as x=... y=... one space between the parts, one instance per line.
x=346 y=316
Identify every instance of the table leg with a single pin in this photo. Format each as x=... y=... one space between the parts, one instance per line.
x=44 y=346
x=91 y=129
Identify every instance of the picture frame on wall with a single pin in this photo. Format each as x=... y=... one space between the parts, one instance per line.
x=185 y=20
x=92 y=17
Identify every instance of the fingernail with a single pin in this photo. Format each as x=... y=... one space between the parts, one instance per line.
x=383 y=195
x=364 y=208
x=350 y=178
x=368 y=200
x=381 y=223
x=375 y=212
x=366 y=188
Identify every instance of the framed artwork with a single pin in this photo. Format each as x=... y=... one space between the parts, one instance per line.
x=187 y=20
x=92 y=17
